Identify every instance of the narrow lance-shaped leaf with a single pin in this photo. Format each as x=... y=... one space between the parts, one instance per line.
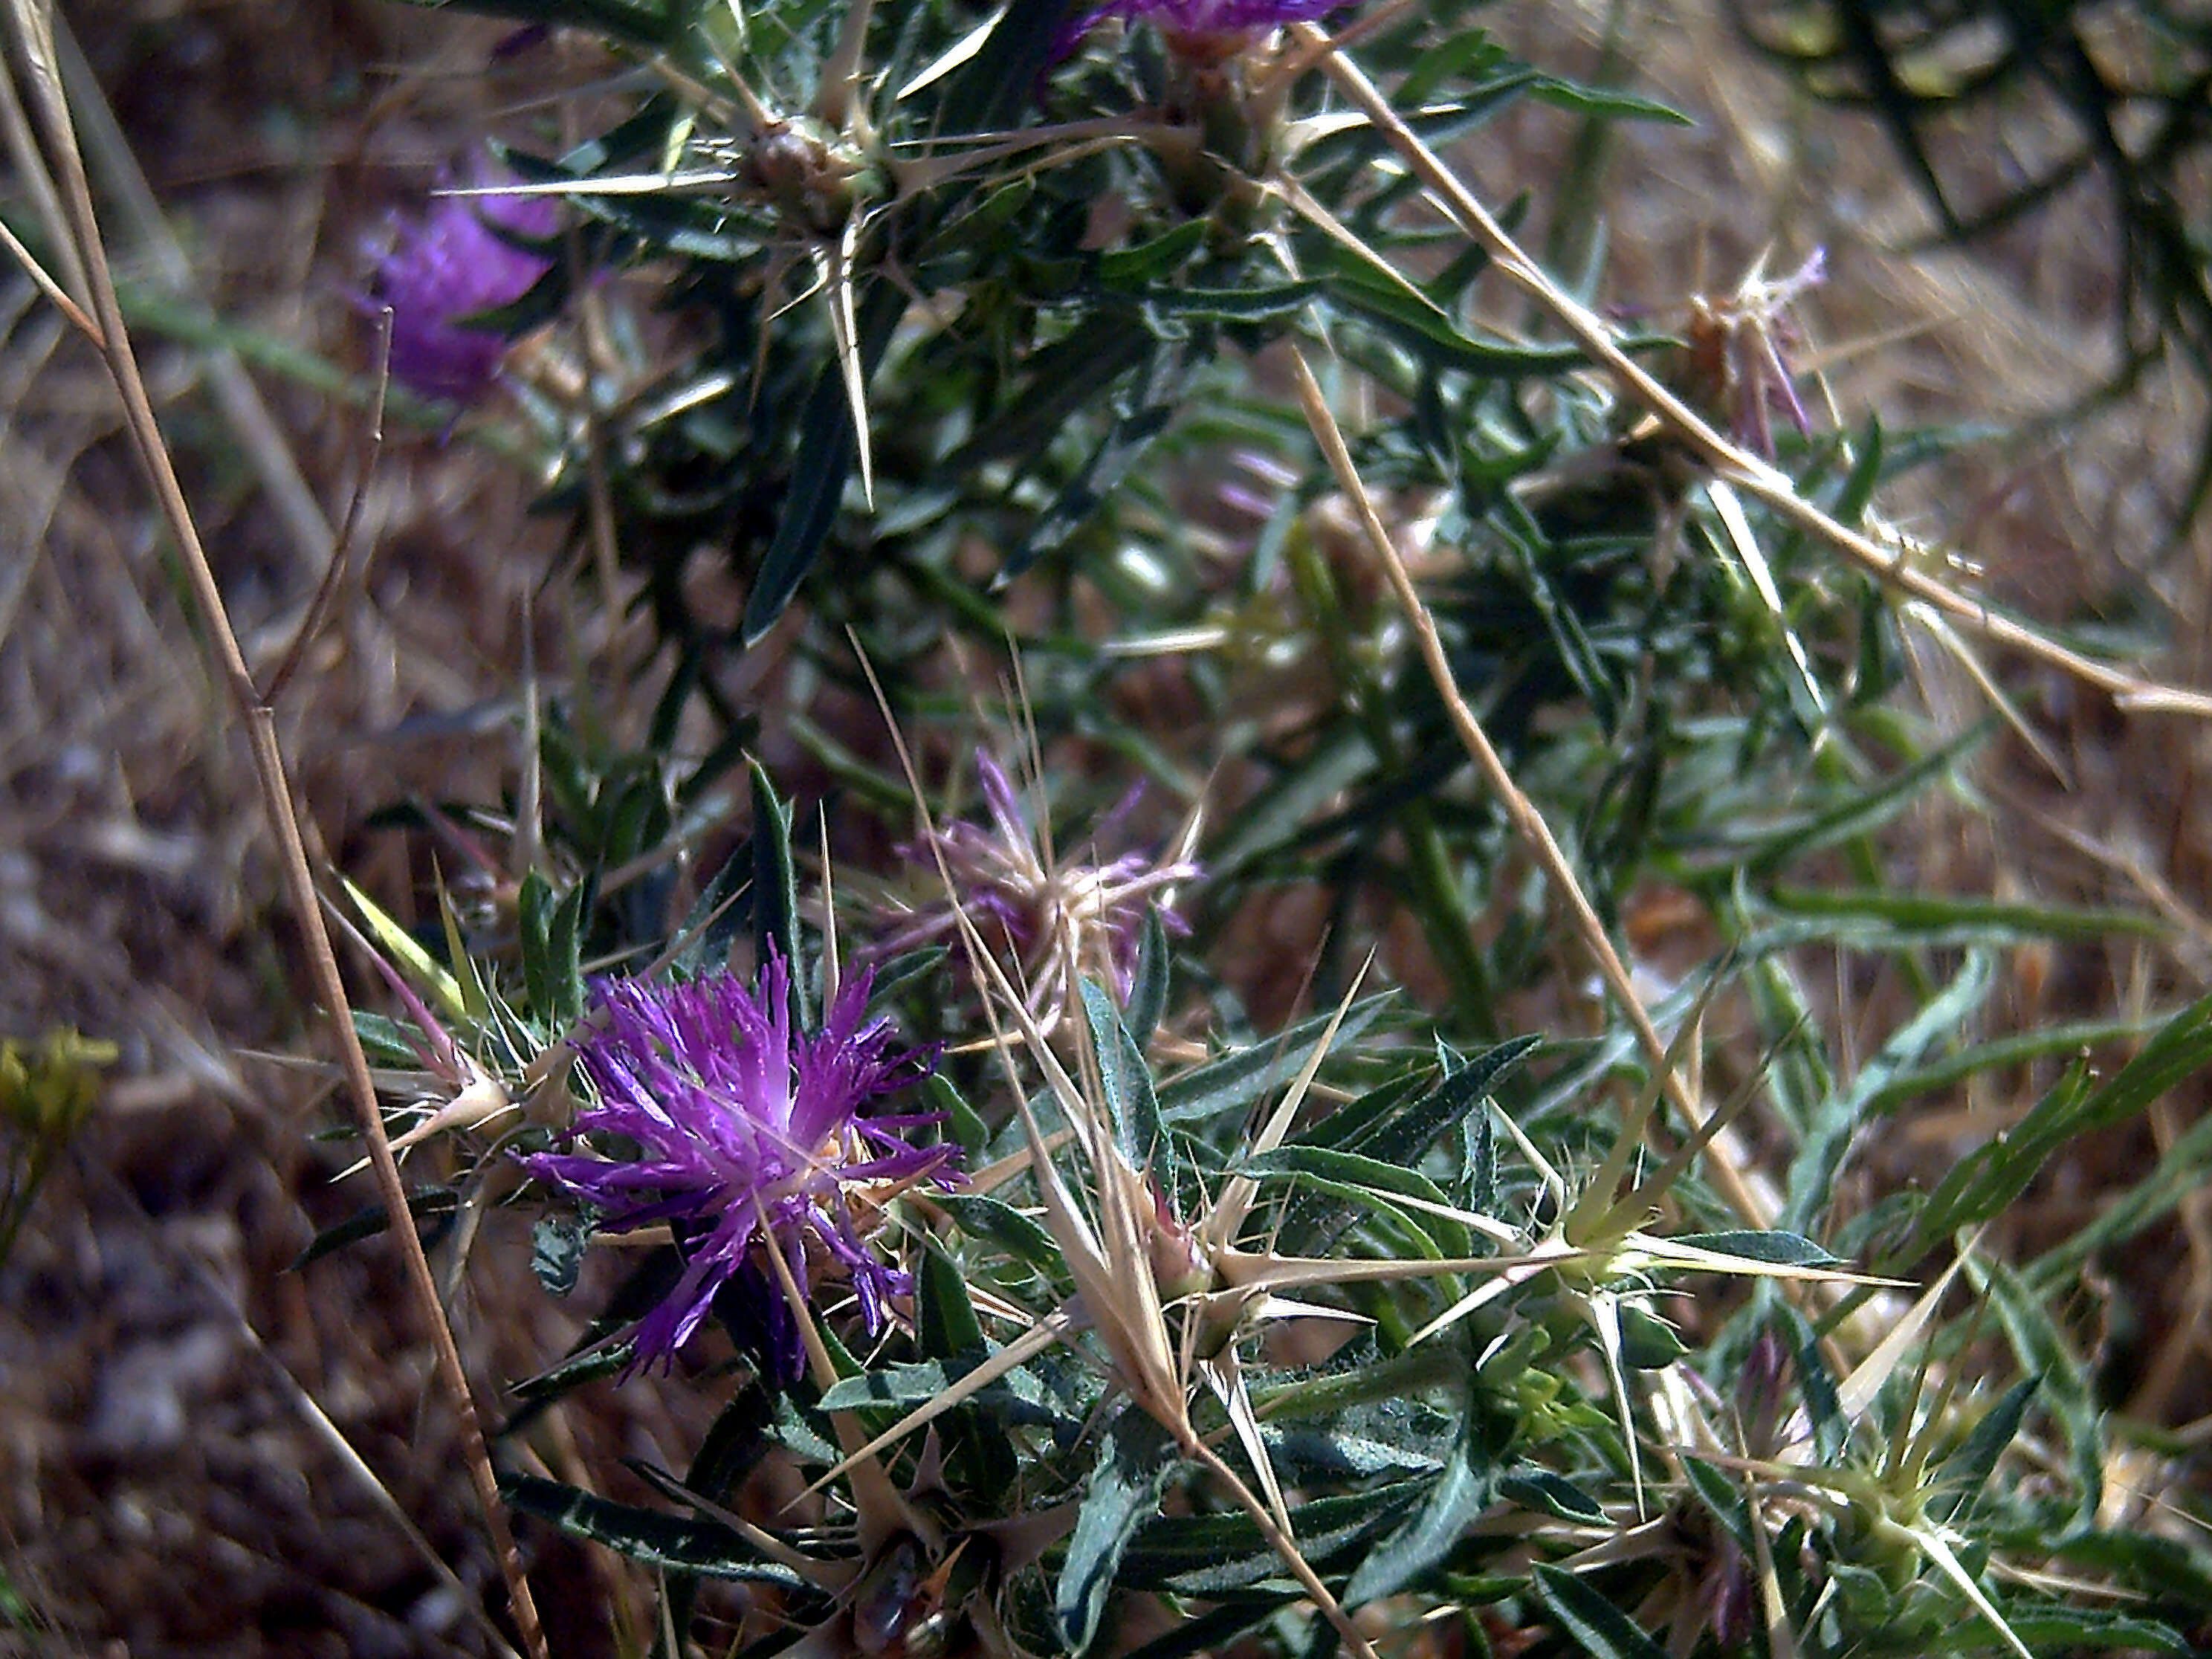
x=1124 y=1490
x=775 y=886
x=1461 y=1493
x=1589 y=1619
x=649 y=1536
x=1125 y=1079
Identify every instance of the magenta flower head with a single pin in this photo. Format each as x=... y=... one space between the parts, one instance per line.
x=1044 y=910
x=446 y=266
x=748 y=1137
x=1208 y=30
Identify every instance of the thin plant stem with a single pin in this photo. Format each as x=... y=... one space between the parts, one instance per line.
x=31 y=28
x=1520 y=812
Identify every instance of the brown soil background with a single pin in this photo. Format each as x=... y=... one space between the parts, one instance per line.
x=165 y=1486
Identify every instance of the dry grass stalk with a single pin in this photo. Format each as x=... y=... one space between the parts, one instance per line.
x=76 y=225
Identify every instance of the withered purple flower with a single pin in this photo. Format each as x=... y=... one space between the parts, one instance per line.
x=1737 y=367
x=1043 y=909
x=446 y=266
x=749 y=1137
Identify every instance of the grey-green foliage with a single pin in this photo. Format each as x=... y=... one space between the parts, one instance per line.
x=1055 y=284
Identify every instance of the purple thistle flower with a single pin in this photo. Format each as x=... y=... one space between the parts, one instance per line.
x=1207 y=30
x=748 y=1133
x=1039 y=909
x=445 y=266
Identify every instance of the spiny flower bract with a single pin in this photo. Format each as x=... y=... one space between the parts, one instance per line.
x=739 y=1121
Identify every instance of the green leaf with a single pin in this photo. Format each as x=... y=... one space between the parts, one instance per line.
x=388 y=1043
x=1547 y=1494
x=1015 y=1398
x=1125 y=1079
x=1357 y=1182
x=572 y=1373
x=1141 y=410
x=1404 y=1131
x=1212 y=1555
x=1992 y=1175
x=2180 y=1172
x=963 y=1125
x=1339 y=758
x=1773 y=1249
x=709 y=928
x=2046 y=1627
x=1213 y=1091
x=1648 y=1343
x=1064 y=382
x=650 y=1536
x=945 y=1319
x=998 y=1222
x=2000 y=920
x=2143 y=1561
x=909 y=968
x=1148 y=991
x=776 y=888
x=2046 y=1353
x=1834 y=1124
x=1310 y=1454
x=1134 y=267
x=433 y=1209
x=1426 y=328
x=1466 y=57
x=1964 y=1474
x=1861 y=812
x=552 y=947
x=1135 y=1462
x=1460 y=1492
x=1589 y=1619
x=2070 y=1039
x=733 y=1445
x=1169 y=311
x=1605 y=102
x=827 y=451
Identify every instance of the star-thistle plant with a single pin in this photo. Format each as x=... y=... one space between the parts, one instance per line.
x=1528 y=687
x=443 y=267
x=748 y=1135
